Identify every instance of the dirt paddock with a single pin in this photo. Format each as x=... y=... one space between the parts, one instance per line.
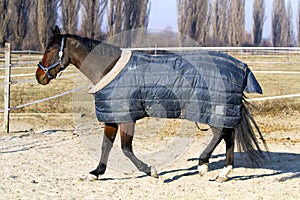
x=52 y=163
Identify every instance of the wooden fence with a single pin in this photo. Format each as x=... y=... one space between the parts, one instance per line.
x=28 y=59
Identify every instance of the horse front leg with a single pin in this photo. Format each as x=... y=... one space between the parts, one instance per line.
x=110 y=131
x=127 y=133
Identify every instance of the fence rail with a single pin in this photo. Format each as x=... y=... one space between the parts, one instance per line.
x=20 y=60
x=248 y=50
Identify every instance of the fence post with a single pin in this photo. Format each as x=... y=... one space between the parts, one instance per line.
x=7 y=87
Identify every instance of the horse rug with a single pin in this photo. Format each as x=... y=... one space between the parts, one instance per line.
x=200 y=86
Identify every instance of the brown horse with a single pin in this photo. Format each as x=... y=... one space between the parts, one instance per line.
x=66 y=49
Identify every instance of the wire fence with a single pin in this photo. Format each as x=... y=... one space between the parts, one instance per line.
x=23 y=65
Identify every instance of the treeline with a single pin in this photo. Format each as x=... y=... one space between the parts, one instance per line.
x=222 y=22
x=26 y=24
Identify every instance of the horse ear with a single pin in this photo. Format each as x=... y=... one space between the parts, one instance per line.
x=56 y=32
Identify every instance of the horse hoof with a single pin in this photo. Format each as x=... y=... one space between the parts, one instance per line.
x=91 y=177
x=221 y=179
x=88 y=177
x=223 y=176
x=202 y=169
x=153 y=172
x=94 y=173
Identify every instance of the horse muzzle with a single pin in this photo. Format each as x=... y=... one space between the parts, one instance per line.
x=42 y=78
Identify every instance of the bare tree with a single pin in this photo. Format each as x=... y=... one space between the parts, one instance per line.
x=236 y=22
x=70 y=12
x=258 y=21
x=128 y=15
x=289 y=25
x=207 y=26
x=4 y=21
x=215 y=24
x=136 y=14
x=93 y=17
x=282 y=26
x=278 y=23
x=298 y=24
x=46 y=19
x=30 y=41
x=19 y=21
x=115 y=17
x=219 y=22
x=193 y=18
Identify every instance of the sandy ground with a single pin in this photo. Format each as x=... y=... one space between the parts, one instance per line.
x=47 y=163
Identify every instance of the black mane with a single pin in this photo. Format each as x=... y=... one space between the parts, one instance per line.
x=87 y=42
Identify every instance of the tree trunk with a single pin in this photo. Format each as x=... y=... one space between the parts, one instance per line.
x=258 y=21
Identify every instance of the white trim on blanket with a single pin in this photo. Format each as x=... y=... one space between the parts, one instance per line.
x=121 y=63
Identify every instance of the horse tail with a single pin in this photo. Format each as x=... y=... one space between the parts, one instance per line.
x=246 y=138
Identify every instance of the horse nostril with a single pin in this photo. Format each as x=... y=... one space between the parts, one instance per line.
x=37 y=77
x=41 y=81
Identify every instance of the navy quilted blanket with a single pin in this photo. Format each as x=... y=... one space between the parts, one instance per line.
x=201 y=86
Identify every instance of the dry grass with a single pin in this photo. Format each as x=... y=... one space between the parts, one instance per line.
x=276 y=107
x=280 y=62
x=28 y=92
x=275 y=84
x=31 y=91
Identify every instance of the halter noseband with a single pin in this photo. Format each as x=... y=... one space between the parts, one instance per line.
x=60 y=55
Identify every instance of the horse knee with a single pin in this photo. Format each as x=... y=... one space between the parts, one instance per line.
x=127 y=151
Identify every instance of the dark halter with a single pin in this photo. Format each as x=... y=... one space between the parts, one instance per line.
x=58 y=63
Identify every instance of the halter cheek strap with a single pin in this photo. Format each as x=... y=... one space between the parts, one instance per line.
x=60 y=55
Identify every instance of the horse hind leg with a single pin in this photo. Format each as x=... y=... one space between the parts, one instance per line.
x=110 y=131
x=205 y=155
x=228 y=136
x=127 y=132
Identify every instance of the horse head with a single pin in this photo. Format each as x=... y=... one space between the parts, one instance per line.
x=55 y=58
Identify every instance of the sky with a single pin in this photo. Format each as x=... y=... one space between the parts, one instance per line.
x=163 y=14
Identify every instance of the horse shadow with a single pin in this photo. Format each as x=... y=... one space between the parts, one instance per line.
x=278 y=162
